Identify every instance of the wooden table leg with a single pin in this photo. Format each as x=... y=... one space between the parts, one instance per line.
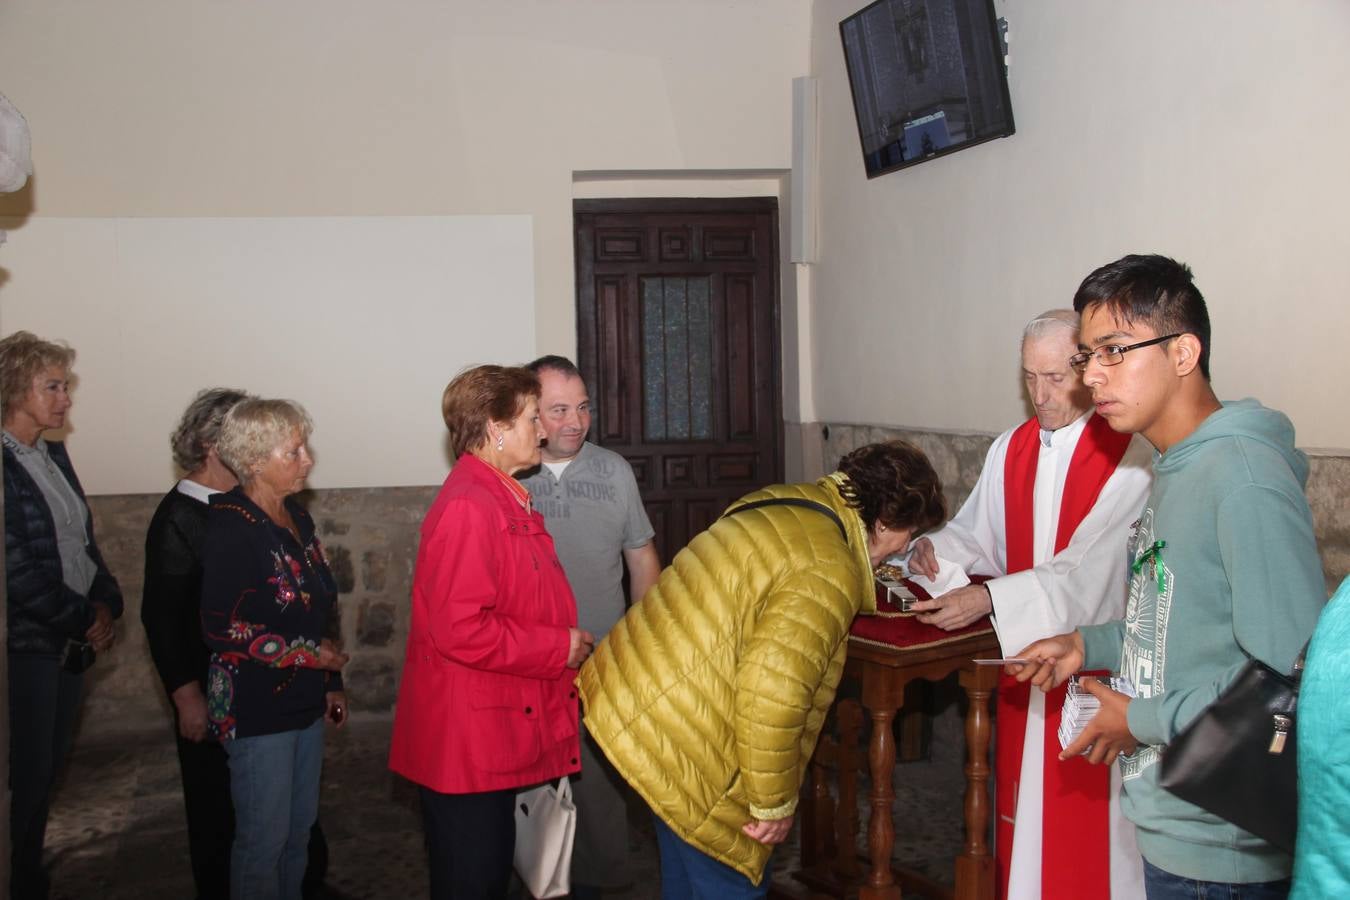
x=880 y=883
x=850 y=718
x=816 y=811
x=975 y=866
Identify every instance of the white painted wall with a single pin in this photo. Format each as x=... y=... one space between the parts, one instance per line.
x=1213 y=132
x=178 y=109
x=361 y=320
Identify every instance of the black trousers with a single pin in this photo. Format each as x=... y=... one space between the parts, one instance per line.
x=210 y=819
x=210 y=815
x=44 y=703
x=470 y=841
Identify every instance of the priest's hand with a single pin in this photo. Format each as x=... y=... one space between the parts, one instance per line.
x=923 y=559
x=1050 y=661
x=955 y=609
x=1108 y=734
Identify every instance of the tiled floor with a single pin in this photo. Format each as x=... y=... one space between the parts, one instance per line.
x=117 y=829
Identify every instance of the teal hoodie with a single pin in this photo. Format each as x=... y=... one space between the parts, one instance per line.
x=1322 y=854
x=1226 y=570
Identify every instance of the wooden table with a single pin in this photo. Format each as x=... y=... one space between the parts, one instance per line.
x=829 y=865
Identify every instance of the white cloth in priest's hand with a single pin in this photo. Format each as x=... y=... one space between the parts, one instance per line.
x=950 y=576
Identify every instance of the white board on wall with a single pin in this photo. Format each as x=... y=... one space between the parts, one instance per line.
x=362 y=320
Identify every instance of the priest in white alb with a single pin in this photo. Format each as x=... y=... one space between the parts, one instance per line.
x=1049 y=519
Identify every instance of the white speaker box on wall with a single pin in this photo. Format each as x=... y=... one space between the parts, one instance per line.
x=805 y=171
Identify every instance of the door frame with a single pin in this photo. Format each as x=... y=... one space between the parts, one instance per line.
x=755 y=205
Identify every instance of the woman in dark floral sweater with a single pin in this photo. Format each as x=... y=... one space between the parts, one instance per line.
x=268 y=600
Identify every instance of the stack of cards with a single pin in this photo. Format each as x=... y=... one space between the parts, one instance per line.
x=1080 y=707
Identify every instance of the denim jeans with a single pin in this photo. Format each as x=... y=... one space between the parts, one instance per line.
x=688 y=873
x=1160 y=885
x=274 y=782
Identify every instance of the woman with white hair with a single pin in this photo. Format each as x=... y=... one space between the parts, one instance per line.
x=268 y=600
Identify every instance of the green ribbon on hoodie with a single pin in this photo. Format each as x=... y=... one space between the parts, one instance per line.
x=1153 y=553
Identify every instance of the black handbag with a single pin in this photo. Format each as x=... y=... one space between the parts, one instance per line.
x=1239 y=759
x=77 y=656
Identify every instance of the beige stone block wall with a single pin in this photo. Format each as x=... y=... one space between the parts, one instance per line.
x=958 y=458
x=372 y=533
x=371 y=538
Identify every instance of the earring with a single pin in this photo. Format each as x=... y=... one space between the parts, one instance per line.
x=501 y=441
x=880 y=528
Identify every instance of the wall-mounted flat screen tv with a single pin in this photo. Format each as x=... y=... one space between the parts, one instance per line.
x=928 y=79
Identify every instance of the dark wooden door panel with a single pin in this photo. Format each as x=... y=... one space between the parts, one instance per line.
x=678 y=336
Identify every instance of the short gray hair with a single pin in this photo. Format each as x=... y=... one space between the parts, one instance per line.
x=253 y=428
x=199 y=429
x=1050 y=321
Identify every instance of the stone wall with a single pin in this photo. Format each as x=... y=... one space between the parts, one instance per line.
x=958 y=458
x=371 y=538
x=371 y=535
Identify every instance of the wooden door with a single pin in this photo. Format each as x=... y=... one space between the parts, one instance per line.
x=678 y=339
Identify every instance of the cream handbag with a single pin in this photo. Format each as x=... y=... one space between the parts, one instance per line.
x=546 y=825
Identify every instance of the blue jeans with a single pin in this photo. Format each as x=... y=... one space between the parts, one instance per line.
x=1160 y=885
x=688 y=873
x=274 y=782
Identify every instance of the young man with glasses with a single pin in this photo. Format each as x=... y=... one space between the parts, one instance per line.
x=1225 y=568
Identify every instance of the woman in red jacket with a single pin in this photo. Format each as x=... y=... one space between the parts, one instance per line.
x=486 y=705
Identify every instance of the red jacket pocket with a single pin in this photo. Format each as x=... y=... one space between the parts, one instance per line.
x=504 y=717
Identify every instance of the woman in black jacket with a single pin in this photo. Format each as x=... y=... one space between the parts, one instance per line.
x=60 y=597
x=171 y=611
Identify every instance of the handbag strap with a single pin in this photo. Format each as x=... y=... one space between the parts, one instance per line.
x=793 y=501
x=1297 y=674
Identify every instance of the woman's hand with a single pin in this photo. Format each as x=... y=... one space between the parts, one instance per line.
x=190 y=704
x=582 y=643
x=330 y=657
x=102 y=632
x=771 y=831
x=337 y=708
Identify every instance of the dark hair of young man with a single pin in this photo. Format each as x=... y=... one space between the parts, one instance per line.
x=1154 y=290
x=555 y=363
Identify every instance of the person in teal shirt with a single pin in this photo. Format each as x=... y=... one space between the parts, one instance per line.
x=1225 y=569
x=1322 y=854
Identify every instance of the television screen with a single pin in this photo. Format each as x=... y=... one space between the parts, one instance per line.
x=927 y=78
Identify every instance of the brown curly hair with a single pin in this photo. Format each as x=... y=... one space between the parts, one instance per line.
x=482 y=393
x=894 y=483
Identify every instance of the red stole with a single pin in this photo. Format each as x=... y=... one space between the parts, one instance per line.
x=1075 y=840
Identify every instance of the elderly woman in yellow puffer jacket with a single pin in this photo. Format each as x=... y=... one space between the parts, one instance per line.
x=708 y=696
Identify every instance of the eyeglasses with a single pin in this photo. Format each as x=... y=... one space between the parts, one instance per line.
x=1111 y=354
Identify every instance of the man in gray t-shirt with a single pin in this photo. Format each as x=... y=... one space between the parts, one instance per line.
x=589 y=499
